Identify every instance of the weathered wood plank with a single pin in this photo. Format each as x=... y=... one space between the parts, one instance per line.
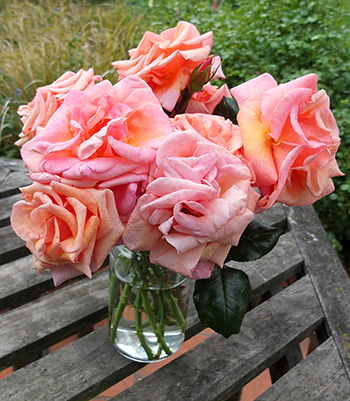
x=278 y=265
x=19 y=283
x=14 y=180
x=4 y=172
x=75 y=372
x=12 y=164
x=89 y=365
x=216 y=368
x=327 y=275
x=193 y=324
x=320 y=376
x=53 y=317
x=275 y=216
x=6 y=208
x=11 y=246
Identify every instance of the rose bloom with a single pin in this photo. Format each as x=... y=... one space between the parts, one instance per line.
x=47 y=100
x=290 y=137
x=207 y=99
x=166 y=61
x=68 y=230
x=104 y=137
x=197 y=206
x=214 y=128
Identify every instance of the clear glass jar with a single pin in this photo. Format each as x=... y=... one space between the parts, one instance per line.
x=147 y=306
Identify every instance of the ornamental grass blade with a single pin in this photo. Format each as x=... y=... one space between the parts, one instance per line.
x=221 y=300
x=256 y=241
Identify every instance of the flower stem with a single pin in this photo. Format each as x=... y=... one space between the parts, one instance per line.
x=175 y=310
x=123 y=301
x=112 y=295
x=153 y=324
x=138 y=324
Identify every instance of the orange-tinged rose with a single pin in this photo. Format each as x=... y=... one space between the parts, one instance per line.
x=207 y=99
x=166 y=61
x=290 y=138
x=68 y=230
x=48 y=99
x=214 y=128
x=197 y=206
x=103 y=137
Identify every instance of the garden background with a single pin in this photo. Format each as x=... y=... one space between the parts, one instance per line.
x=40 y=40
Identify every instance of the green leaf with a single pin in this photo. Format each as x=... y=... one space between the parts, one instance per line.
x=227 y=108
x=256 y=241
x=221 y=300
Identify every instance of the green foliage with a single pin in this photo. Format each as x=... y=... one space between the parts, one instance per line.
x=257 y=240
x=227 y=108
x=222 y=300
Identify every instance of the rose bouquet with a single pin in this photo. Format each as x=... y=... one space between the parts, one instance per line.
x=171 y=166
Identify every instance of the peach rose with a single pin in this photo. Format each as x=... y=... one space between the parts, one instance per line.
x=197 y=206
x=104 y=137
x=47 y=100
x=166 y=61
x=68 y=230
x=207 y=99
x=290 y=137
x=214 y=128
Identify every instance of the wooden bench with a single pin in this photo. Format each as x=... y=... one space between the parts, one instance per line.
x=299 y=289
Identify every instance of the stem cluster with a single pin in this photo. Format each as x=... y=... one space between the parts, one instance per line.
x=154 y=301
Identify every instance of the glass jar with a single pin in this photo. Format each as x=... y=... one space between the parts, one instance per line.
x=147 y=306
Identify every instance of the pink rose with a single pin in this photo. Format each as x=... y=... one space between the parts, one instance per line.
x=207 y=99
x=166 y=61
x=104 y=137
x=214 y=128
x=197 y=206
x=47 y=100
x=290 y=137
x=69 y=230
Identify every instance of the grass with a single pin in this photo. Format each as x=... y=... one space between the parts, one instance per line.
x=40 y=40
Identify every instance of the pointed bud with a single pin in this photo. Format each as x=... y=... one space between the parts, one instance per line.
x=205 y=72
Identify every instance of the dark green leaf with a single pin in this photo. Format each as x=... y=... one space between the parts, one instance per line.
x=256 y=241
x=221 y=300
x=227 y=108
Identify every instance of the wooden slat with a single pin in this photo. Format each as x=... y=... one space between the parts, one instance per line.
x=267 y=332
x=11 y=246
x=327 y=275
x=19 y=283
x=45 y=321
x=6 y=208
x=12 y=165
x=4 y=172
x=12 y=182
x=274 y=216
x=193 y=325
x=74 y=372
x=13 y=176
x=278 y=265
x=216 y=369
x=320 y=376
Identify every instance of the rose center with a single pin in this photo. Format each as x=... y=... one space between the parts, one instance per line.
x=187 y=210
